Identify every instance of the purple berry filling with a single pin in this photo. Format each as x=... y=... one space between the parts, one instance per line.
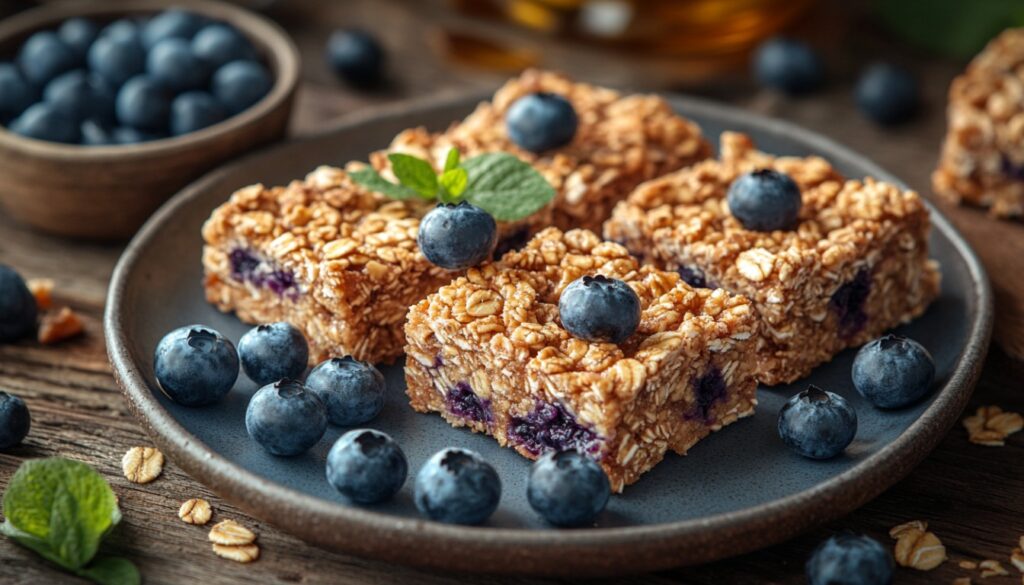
x=464 y=403
x=549 y=427
x=848 y=304
x=438 y=361
x=1014 y=171
x=513 y=241
x=708 y=389
x=247 y=267
x=693 y=276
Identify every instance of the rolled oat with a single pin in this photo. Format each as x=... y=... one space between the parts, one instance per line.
x=245 y=553
x=231 y=533
x=195 y=511
x=916 y=547
x=990 y=426
x=142 y=464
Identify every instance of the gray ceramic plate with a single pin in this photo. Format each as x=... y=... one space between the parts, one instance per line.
x=738 y=490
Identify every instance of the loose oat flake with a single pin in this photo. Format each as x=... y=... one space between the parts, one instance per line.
x=916 y=547
x=245 y=553
x=992 y=568
x=195 y=511
x=231 y=533
x=971 y=565
x=142 y=464
x=990 y=426
x=1017 y=558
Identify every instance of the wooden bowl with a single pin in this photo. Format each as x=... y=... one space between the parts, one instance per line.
x=107 y=192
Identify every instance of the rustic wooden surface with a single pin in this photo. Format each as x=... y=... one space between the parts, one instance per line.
x=971 y=495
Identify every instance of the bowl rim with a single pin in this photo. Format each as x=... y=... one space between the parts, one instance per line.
x=280 y=52
x=421 y=542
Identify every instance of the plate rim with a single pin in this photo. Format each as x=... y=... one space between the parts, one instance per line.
x=601 y=551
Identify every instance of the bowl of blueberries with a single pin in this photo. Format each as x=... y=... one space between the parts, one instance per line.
x=108 y=108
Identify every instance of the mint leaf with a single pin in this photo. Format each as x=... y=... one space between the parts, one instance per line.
x=506 y=187
x=414 y=173
x=371 y=179
x=112 y=571
x=453 y=184
x=452 y=160
x=950 y=27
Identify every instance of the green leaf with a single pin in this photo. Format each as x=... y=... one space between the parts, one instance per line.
x=453 y=184
x=112 y=571
x=415 y=173
x=951 y=27
x=371 y=179
x=506 y=187
x=452 y=160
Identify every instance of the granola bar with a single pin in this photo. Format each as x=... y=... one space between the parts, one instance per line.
x=488 y=352
x=856 y=265
x=982 y=161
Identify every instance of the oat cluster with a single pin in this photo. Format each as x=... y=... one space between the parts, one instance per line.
x=990 y=426
x=916 y=547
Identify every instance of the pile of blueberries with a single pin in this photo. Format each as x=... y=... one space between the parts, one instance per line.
x=197 y=366
x=130 y=81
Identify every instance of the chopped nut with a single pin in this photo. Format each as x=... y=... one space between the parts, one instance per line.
x=245 y=553
x=60 y=325
x=231 y=533
x=142 y=464
x=1017 y=557
x=195 y=511
x=42 y=290
x=970 y=565
x=916 y=547
x=992 y=568
x=990 y=426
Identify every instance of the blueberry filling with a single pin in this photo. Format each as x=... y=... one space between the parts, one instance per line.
x=848 y=304
x=708 y=390
x=1014 y=171
x=693 y=276
x=247 y=267
x=463 y=402
x=513 y=241
x=549 y=427
x=438 y=361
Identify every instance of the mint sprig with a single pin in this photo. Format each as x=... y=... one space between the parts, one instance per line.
x=62 y=509
x=499 y=183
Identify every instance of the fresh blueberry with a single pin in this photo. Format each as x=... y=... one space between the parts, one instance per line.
x=172 y=63
x=80 y=96
x=817 y=424
x=129 y=135
x=14 y=420
x=788 y=65
x=352 y=391
x=16 y=93
x=457 y=486
x=170 y=24
x=42 y=121
x=366 y=466
x=95 y=133
x=240 y=84
x=195 y=110
x=887 y=94
x=195 y=365
x=598 y=308
x=272 y=352
x=893 y=371
x=456 y=237
x=850 y=559
x=117 y=57
x=143 y=103
x=356 y=56
x=79 y=34
x=765 y=200
x=217 y=44
x=541 y=121
x=44 y=56
x=124 y=29
x=567 y=488
x=18 y=310
x=285 y=418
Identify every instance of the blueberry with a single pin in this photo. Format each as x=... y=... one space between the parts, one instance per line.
x=14 y=420
x=195 y=110
x=850 y=559
x=80 y=96
x=217 y=44
x=765 y=200
x=457 y=486
x=541 y=121
x=143 y=103
x=44 y=122
x=129 y=135
x=567 y=488
x=240 y=84
x=887 y=94
x=18 y=310
x=124 y=29
x=95 y=133
x=170 y=24
x=893 y=371
x=788 y=65
x=817 y=424
x=78 y=34
x=352 y=391
x=285 y=418
x=44 y=56
x=172 y=64
x=195 y=365
x=356 y=56
x=117 y=58
x=366 y=466
x=16 y=93
x=598 y=308
x=456 y=237
x=272 y=352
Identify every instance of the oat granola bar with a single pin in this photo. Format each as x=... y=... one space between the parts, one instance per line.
x=488 y=352
x=856 y=265
x=982 y=161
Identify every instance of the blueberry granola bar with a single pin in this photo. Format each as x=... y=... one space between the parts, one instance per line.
x=856 y=265
x=488 y=352
x=982 y=160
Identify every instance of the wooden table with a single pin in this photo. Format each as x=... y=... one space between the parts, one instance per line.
x=972 y=496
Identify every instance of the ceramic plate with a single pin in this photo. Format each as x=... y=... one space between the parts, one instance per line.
x=737 y=490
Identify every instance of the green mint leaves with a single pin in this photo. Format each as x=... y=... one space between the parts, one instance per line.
x=498 y=182
x=62 y=509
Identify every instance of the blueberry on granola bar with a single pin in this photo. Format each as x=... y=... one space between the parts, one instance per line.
x=195 y=365
x=541 y=121
x=352 y=391
x=817 y=424
x=366 y=466
x=850 y=559
x=568 y=488
x=765 y=200
x=893 y=371
x=285 y=418
x=598 y=308
x=457 y=486
x=457 y=236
